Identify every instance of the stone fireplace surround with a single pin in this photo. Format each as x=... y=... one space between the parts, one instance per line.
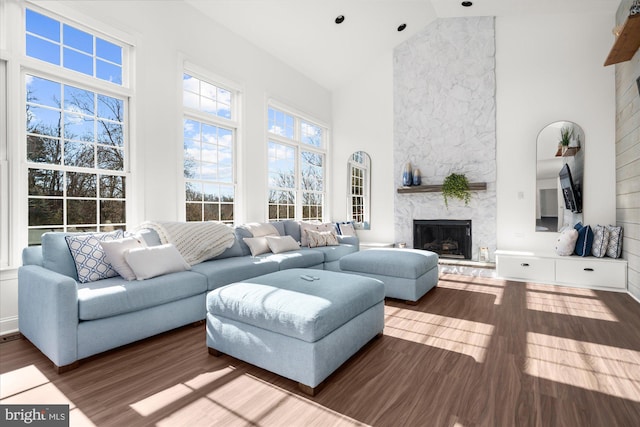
x=444 y=122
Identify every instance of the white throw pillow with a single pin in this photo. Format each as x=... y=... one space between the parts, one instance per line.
x=347 y=229
x=279 y=244
x=257 y=245
x=115 y=249
x=155 y=261
x=261 y=229
x=322 y=238
x=567 y=242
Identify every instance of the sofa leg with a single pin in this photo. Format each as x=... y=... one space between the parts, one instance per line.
x=311 y=391
x=409 y=302
x=66 y=368
x=214 y=352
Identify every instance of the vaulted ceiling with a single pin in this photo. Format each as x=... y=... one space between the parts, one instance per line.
x=303 y=33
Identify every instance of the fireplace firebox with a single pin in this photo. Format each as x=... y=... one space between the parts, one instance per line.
x=447 y=237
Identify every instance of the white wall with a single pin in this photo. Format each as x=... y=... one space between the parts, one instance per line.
x=550 y=68
x=363 y=120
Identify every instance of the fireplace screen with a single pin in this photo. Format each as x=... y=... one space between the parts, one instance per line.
x=447 y=238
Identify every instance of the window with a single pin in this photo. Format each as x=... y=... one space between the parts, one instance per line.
x=76 y=140
x=55 y=42
x=296 y=167
x=209 y=135
x=359 y=187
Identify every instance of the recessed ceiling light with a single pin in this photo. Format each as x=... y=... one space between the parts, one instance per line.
x=467 y=3
x=340 y=19
x=402 y=27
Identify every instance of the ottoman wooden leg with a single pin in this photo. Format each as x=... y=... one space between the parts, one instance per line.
x=311 y=391
x=214 y=352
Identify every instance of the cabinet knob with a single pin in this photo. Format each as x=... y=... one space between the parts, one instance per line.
x=588 y=269
x=524 y=264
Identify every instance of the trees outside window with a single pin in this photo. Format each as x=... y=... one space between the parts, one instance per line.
x=296 y=167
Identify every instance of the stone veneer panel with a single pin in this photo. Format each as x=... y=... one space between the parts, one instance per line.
x=445 y=121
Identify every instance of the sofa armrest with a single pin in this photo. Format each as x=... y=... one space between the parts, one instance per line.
x=48 y=312
x=349 y=240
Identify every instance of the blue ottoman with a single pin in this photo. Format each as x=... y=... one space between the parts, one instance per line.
x=407 y=274
x=298 y=329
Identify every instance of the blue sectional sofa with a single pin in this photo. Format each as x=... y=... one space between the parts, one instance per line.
x=69 y=321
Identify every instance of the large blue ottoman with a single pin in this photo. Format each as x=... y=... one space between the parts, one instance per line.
x=302 y=330
x=407 y=274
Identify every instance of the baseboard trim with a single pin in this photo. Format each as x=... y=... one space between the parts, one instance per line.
x=12 y=336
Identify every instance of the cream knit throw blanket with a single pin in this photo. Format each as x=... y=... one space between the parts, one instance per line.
x=196 y=241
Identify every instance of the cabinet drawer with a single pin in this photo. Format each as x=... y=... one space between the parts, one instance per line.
x=603 y=274
x=524 y=268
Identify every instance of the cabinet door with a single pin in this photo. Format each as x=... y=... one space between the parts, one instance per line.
x=596 y=273
x=525 y=268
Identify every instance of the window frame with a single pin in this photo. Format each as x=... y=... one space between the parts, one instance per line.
x=233 y=124
x=365 y=167
x=65 y=76
x=297 y=144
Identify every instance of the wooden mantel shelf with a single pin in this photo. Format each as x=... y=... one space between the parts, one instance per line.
x=627 y=42
x=473 y=186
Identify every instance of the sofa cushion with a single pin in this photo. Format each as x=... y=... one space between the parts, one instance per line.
x=302 y=258
x=279 y=225
x=89 y=257
x=56 y=255
x=292 y=228
x=224 y=271
x=114 y=296
x=285 y=303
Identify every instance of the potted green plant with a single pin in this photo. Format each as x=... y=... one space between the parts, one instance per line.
x=456 y=186
x=566 y=135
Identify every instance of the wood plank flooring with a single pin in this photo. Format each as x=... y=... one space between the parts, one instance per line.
x=472 y=352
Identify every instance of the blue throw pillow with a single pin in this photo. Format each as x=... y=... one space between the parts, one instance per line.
x=585 y=240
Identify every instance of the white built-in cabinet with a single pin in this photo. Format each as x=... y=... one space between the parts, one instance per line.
x=585 y=272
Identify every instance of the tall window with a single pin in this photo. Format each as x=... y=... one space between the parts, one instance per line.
x=296 y=168
x=209 y=135
x=76 y=140
x=359 y=186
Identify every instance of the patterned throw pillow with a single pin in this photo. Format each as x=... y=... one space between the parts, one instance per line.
x=600 y=241
x=89 y=257
x=314 y=226
x=322 y=238
x=614 y=249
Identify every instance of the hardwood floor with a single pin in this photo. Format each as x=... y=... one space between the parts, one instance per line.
x=472 y=352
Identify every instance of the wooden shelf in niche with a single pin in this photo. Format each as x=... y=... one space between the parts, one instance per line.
x=473 y=186
x=571 y=151
x=627 y=42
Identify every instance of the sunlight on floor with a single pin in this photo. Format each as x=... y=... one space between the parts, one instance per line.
x=602 y=368
x=226 y=397
x=579 y=305
x=448 y=333
x=476 y=284
x=29 y=386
